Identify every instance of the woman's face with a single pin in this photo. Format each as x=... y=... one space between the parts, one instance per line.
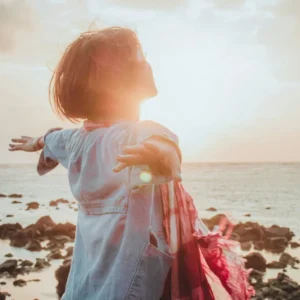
x=147 y=84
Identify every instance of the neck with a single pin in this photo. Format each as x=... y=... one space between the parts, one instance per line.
x=131 y=114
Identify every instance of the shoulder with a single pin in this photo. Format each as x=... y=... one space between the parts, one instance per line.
x=149 y=128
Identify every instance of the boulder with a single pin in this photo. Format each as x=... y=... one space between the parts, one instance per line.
x=246 y=246
x=276 y=244
x=32 y=205
x=16 y=202
x=294 y=245
x=41 y=263
x=34 y=245
x=20 y=239
x=214 y=221
x=56 y=202
x=15 y=196
x=276 y=265
x=276 y=231
x=211 y=209
x=3 y=196
x=259 y=245
x=255 y=261
x=287 y=259
x=26 y=263
x=43 y=223
x=19 y=282
x=69 y=251
x=8 y=266
x=67 y=229
x=55 y=254
x=61 y=275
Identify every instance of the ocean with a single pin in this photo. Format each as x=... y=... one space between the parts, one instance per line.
x=235 y=188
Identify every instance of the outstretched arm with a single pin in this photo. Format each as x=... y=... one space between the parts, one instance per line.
x=28 y=143
x=162 y=155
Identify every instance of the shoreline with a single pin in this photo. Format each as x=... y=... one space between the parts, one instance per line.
x=52 y=239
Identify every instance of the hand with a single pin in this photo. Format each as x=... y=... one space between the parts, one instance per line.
x=28 y=143
x=161 y=156
x=25 y=143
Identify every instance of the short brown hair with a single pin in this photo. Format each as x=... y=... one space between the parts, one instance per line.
x=93 y=66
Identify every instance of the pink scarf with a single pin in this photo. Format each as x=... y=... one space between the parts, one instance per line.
x=206 y=266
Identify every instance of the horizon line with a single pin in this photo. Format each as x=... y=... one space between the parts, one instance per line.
x=189 y=162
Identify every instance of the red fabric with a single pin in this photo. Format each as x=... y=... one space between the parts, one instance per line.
x=199 y=256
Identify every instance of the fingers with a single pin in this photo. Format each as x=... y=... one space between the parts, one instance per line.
x=151 y=146
x=133 y=159
x=137 y=149
x=22 y=140
x=14 y=147
x=119 y=167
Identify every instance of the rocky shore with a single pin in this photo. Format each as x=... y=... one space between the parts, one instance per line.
x=57 y=239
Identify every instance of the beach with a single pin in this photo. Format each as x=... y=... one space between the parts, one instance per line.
x=264 y=193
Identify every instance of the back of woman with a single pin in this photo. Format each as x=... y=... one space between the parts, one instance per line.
x=120 y=240
x=132 y=226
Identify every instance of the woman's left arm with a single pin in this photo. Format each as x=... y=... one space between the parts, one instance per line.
x=160 y=153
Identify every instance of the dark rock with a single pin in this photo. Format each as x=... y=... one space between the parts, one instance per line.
x=259 y=245
x=214 y=221
x=69 y=251
x=43 y=223
x=3 y=296
x=3 y=196
x=32 y=205
x=2 y=283
x=8 y=266
x=246 y=246
x=56 y=254
x=75 y=209
x=56 y=202
x=276 y=231
x=62 y=239
x=19 y=239
x=41 y=263
x=8 y=255
x=16 y=202
x=276 y=265
x=9 y=216
x=276 y=244
x=34 y=245
x=294 y=245
x=61 y=275
x=247 y=215
x=15 y=196
x=287 y=259
x=255 y=261
x=26 y=263
x=19 y=282
x=7 y=230
x=268 y=207
x=252 y=234
x=67 y=229
x=211 y=209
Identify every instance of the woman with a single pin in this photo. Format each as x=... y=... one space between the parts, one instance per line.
x=135 y=220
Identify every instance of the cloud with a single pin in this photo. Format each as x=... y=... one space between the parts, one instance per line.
x=273 y=25
x=151 y=4
x=15 y=17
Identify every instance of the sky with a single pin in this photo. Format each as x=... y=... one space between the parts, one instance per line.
x=227 y=71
